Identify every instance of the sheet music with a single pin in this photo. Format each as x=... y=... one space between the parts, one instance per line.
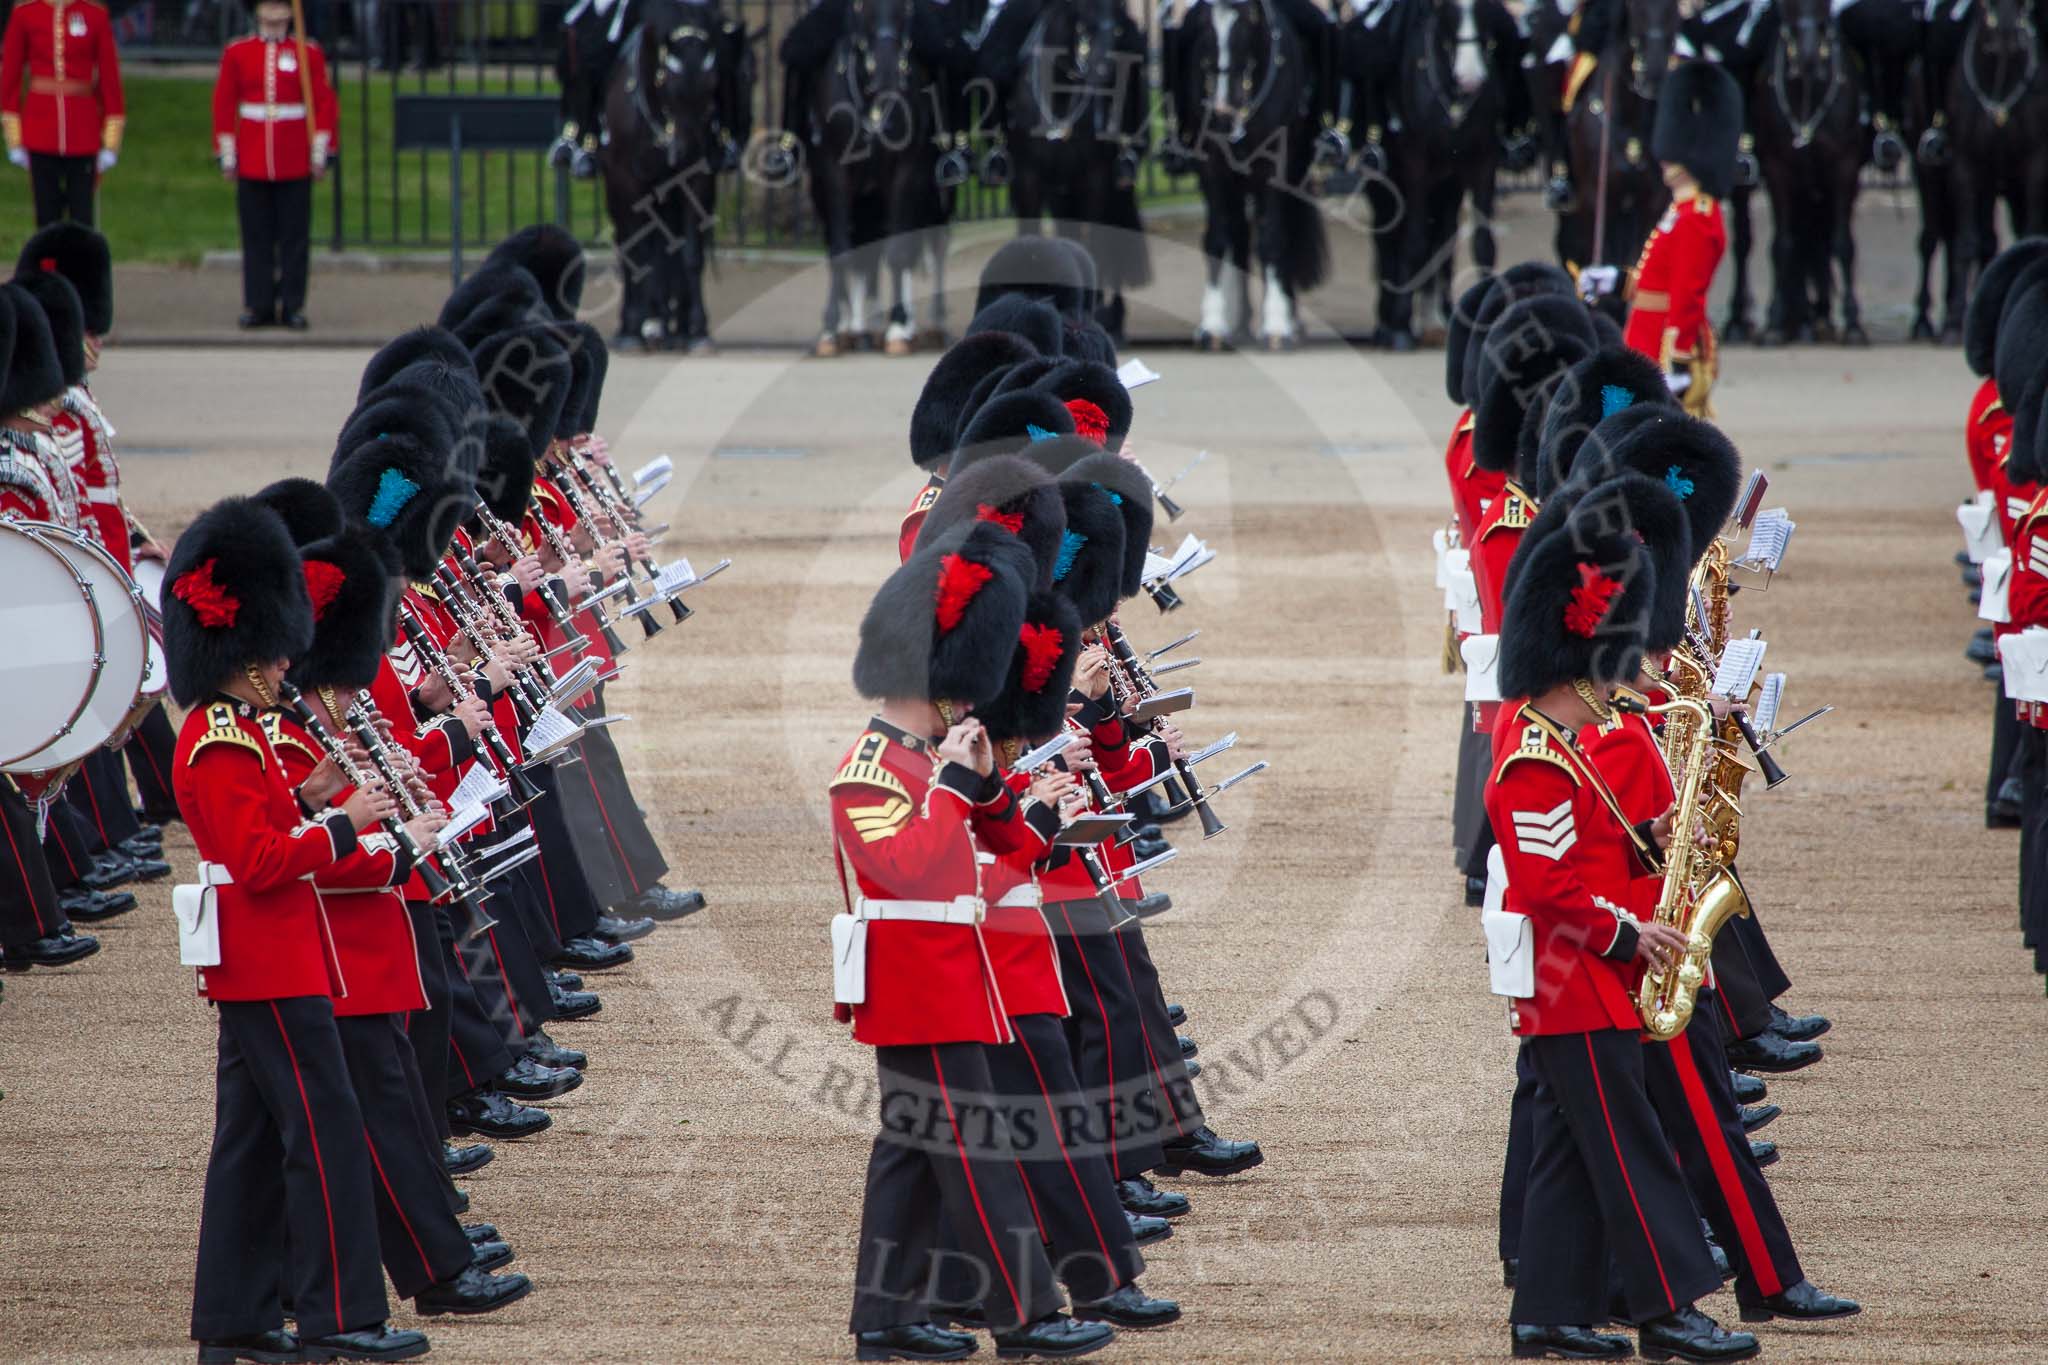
x=1764 y=715
x=1157 y=566
x=673 y=578
x=1135 y=373
x=479 y=787
x=660 y=467
x=461 y=820
x=1768 y=536
x=549 y=727
x=1739 y=663
x=647 y=494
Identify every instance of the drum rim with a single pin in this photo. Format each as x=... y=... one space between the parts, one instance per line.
x=138 y=703
x=31 y=531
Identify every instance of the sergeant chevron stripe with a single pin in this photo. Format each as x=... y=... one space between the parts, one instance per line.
x=1546 y=834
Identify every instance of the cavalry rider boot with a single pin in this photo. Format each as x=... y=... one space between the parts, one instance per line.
x=1208 y=1154
x=368 y=1343
x=471 y=1291
x=1764 y=1150
x=1886 y=151
x=1805 y=1300
x=593 y=955
x=479 y=1233
x=1557 y=191
x=462 y=1160
x=1755 y=1116
x=527 y=1080
x=1055 y=1334
x=1145 y=907
x=913 y=1341
x=275 y=1347
x=1130 y=1306
x=1748 y=1089
x=488 y=1256
x=575 y=1004
x=1800 y=1028
x=1769 y=1052
x=491 y=1114
x=547 y=1052
x=659 y=902
x=1933 y=149
x=1690 y=1334
x=81 y=904
x=1176 y=1015
x=51 y=950
x=1144 y=1229
x=1141 y=1196
x=612 y=929
x=1572 y=1343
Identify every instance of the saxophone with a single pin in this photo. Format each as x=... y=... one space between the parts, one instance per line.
x=1700 y=893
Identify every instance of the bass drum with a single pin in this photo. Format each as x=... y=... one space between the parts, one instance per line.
x=78 y=648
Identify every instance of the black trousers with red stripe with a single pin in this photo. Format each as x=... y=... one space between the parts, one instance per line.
x=1603 y=1189
x=590 y=834
x=1162 y=1044
x=1063 y=1154
x=1471 y=832
x=505 y=971
x=479 y=1044
x=288 y=1204
x=530 y=906
x=1106 y=1035
x=100 y=792
x=571 y=904
x=632 y=842
x=945 y=1157
x=2005 y=744
x=28 y=898
x=69 y=843
x=1743 y=1006
x=1514 y=1174
x=417 y=1232
x=2033 y=766
x=1688 y=1082
x=1763 y=960
x=428 y=1029
x=151 y=752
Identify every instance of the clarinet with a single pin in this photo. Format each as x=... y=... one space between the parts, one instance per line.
x=557 y=606
x=1141 y=684
x=463 y=893
x=469 y=620
x=430 y=875
x=583 y=514
x=521 y=790
x=567 y=554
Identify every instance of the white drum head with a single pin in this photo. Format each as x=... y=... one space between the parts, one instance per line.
x=52 y=633
x=123 y=646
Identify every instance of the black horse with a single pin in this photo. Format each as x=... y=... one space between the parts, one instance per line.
x=1810 y=144
x=1243 y=110
x=661 y=158
x=1934 y=186
x=873 y=160
x=1621 y=191
x=1075 y=111
x=1998 y=127
x=1449 y=108
x=1738 y=35
x=586 y=50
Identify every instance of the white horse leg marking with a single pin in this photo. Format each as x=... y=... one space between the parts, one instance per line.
x=1276 y=321
x=906 y=297
x=1469 y=68
x=856 y=302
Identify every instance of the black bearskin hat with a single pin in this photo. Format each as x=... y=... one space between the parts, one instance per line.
x=490 y=301
x=409 y=348
x=1033 y=703
x=554 y=258
x=308 y=510
x=1528 y=347
x=1034 y=267
x=527 y=376
x=943 y=627
x=406 y=410
x=1091 y=275
x=33 y=375
x=1034 y=321
x=506 y=480
x=1088 y=340
x=1012 y=492
x=1699 y=124
x=2022 y=343
x=455 y=387
x=1988 y=300
x=353 y=584
x=1688 y=456
x=2024 y=463
x=1089 y=569
x=81 y=256
x=1647 y=508
x=935 y=421
x=1458 y=337
x=1098 y=400
x=1023 y=375
x=1604 y=383
x=1579 y=608
x=233 y=595
x=416 y=494
x=1007 y=424
x=66 y=316
x=1523 y=280
x=1126 y=486
x=593 y=344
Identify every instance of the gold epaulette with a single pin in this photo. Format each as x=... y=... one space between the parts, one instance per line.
x=1536 y=746
x=280 y=738
x=863 y=767
x=1517 y=513
x=1997 y=406
x=223 y=728
x=1464 y=425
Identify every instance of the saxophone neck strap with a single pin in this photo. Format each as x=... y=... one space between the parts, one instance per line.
x=1646 y=851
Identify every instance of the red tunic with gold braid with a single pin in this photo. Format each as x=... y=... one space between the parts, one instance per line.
x=1473 y=490
x=259 y=109
x=1667 y=318
x=63 y=51
x=913 y=520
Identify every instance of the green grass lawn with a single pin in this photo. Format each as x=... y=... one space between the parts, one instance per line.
x=166 y=202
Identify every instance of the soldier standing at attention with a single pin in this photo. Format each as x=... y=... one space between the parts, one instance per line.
x=66 y=132
x=275 y=121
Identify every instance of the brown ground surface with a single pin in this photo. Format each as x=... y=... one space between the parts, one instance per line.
x=697 y=1198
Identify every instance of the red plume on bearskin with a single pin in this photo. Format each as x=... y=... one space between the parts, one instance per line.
x=1042 y=646
x=237 y=597
x=959 y=580
x=1579 y=606
x=323 y=585
x=1040 y=673
x=353 y=580
x=1590 y=600
x=1007 y=491
x=214 y=606
x=1013 y=522
x=1090 y=421
x=944 y=626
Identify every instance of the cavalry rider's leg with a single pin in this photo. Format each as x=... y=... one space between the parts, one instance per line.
x=936 y=40
x=1885 y=35
x=735 y=107
x=805 y=50
x=1597 y=25
x=998 y=61
x=1944 y=47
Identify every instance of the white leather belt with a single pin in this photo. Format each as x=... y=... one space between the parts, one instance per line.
x=959 y=910
x=102 y=495
x=268 y=113
x=214 y=874
x=1023 y=893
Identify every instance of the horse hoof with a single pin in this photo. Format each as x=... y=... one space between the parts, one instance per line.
x=898 y=346
x=1923 y=330
x=1854 y=335
x=1951 y=335
x=1277 y=342
x=1737 y=332
x=702 y=347
x=826 y=347
x=1771 y=336
x=1401 y=341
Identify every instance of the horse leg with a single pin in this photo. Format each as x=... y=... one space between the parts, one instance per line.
x=1779 y=321
x=1484 y=251
x=936 y=241
x=835 y=199
x=1240 y=283
x=1844 y=205
x=901 y=335
x=1279 y=329
x=1212 y=328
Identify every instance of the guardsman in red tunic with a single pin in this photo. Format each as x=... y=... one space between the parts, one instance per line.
x=1605 y=1195
x=288 y=1206
x=275 y=124
x=942 y=405
x=67 y=131
x=916 y=805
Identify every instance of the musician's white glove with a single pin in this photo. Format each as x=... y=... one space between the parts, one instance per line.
x=1597 y=281
x=106 y=160
x=1678 y=381
x=227 y=168
x=19 y=156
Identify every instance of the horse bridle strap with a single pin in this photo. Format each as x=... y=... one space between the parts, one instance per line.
x=1242 y=113
x=2001 y=109
x=1803 y=129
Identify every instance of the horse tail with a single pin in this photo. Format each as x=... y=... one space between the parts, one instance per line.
x=1304 y=246
x=1122 y=253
